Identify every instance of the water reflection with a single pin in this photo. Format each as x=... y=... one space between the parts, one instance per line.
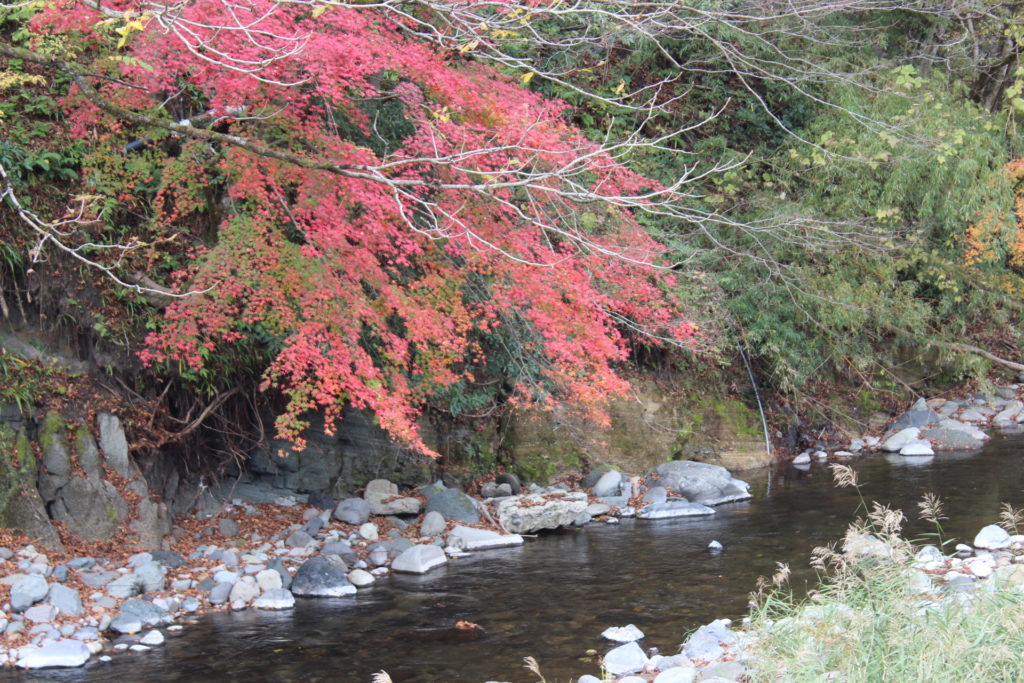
x=552 y=598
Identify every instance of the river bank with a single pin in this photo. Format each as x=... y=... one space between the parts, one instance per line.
x=268 y=520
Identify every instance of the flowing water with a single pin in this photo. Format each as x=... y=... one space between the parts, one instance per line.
x=552 y=597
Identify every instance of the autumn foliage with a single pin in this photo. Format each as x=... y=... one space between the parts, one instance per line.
x=442 y=203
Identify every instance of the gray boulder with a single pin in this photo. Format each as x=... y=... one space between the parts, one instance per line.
x=920 y=415
x=608 y=484
x=393 y=547
x=901 y=438
x=949 y=439
x=352 y=511
x=534 y=512
x=125 y=623
x=493 y=489
x=62 y=653
x=419 y=559
x=322 y=577
x=699 y=482
x=512 y=480
x=148 y=613
x=707 y=641
x=151 y=577
x=382 y=495
x=595 y=475
x=992 y=537
x=658 y=494
x=454 y=505
x=65 y=599
x=26 y=591
x=219 y=594
x=433 y=524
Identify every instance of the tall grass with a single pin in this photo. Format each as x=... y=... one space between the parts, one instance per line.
x=868 y=622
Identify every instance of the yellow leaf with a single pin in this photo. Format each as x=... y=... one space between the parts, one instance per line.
x=620 y=87
x=471 y=45
x=317 y=11
x=526 y=77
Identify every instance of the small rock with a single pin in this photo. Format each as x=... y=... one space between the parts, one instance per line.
x=154 y=637
x=219 y=594
x=26 y=591
x=678 y=674
x=299 y=539
x=900 y=439
x=369 y=531
x=802 y=459
x=515 y=486
x=244 y=591
x=228 y=527
x=360 y=578
x=715 y=547
x=433 y=524
x=992 y=537
x=622 y=634
x=321 y=577
x=470 y=538
x=268 y=579
x=625 y=659
x=917 y=448
x=275 y=598
x=41 y=614
x=608 y=484
x=125 y=623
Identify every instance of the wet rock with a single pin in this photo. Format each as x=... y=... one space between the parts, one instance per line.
x=63 y=653
x=715 y=547
x=699 y=482
x=469 y=538
x=433 y=524
x=419 y=559
x=321 y=577
x=152 y=638
x=625 y=659
x=352 y=511
x=534 y=512
x=802 y=459
x=992 y=537
x=454 y=505
x=622 y=634
x=674 y=508
x=275 y=598
x=26 y=591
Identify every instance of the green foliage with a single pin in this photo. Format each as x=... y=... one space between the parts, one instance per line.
x=24 y=382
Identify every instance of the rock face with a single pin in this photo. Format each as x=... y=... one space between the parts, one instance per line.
x=91 y=509
x=699 y=482
x=320 y=577
x=534 y=512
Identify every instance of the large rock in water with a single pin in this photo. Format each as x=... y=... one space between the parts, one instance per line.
x=527 y=514
x=419 y=559
x=699 y=482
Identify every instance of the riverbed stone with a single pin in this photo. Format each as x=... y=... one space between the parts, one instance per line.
x=228 y=527
x=433 y=524
x=245 y=590
x=674 y=508
x=361 y=578
x=152 y=638
x=62 y=653
x=608 y=484
x=454 y=505
x=168 y=558
x=657 y=494
x=27 y=590
x=1009 y=413
x=393 y=548
x=707 y=642
x=126 y=624
x=66 y=599
x=919 y=415
x=149 y=613
x=493 y=489
x=699 y=482
x=268 y=579
x=595 y=475
x=299 y=539
x=992 y=537
x=382 y=495
x=41 y=614
x=469 y=538
x=901 y=438
x=625 y=659
x=916 y=448
x=598 y=509
x=972 y=415
x=352 y=511
x=151 y=577
x=534 y=512
x=515 y=486
x=275 y=598
x=623 y=634
x=219 y=594
x=322 y=577
x=419 y=559
x=677 y=674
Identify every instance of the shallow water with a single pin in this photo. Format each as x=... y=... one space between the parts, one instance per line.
x=552 y=597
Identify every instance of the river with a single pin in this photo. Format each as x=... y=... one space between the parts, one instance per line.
x=552 y=597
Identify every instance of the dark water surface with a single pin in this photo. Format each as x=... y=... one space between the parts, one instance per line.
x=552 y=598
